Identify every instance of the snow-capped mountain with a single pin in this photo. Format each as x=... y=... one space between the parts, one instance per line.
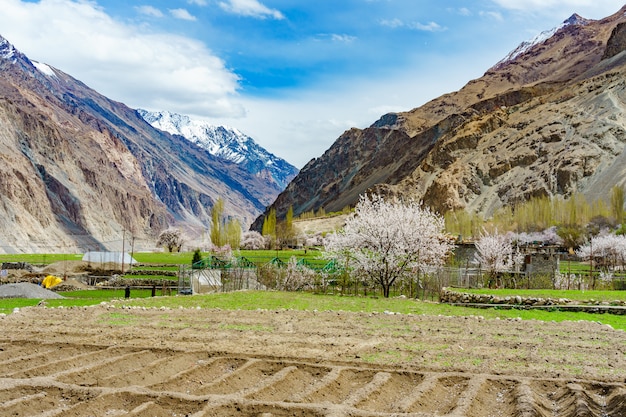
x=225 y=142
x=525 y=46
x=79 y=170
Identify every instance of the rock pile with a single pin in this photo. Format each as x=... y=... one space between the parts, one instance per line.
x=26 y=290
x=455 y=297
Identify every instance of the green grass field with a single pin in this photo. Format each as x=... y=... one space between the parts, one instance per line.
x=275 y=300
x=40 y=259
x=304 y=301
x=171 y=259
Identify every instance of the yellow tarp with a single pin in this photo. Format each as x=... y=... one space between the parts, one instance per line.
x=50 y=281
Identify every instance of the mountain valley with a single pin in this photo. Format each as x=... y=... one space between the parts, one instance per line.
x=547 y=120
x=82 y=172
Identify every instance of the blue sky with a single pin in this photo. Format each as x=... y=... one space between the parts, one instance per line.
x=292 y=74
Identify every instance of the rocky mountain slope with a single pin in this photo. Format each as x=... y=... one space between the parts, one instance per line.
x=546 y=120
x=79 y=171
x=225 y=142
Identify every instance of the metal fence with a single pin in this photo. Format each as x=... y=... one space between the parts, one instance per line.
x=252 y=276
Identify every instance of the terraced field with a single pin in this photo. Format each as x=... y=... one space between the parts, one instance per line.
x=101 y=361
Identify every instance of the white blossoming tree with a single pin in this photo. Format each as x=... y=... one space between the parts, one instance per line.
x=607 y=252
x=171 y=238
x=253 y=240
x=495 y=253
x=385 y=240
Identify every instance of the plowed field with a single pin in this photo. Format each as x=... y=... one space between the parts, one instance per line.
x=103 y=361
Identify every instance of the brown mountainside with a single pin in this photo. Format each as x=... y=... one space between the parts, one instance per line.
x=79 y=171
x=549 y=121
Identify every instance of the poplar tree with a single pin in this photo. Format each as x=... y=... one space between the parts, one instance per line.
x=217 y=226
x=617 y=204
x=269 y=224
x=233 y=233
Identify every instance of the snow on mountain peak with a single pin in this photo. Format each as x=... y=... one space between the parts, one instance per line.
x=44 y=69
x=225 y=142
x=525 y=46
x=7 y=50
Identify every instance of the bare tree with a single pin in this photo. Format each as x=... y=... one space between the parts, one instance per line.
x=385 y=241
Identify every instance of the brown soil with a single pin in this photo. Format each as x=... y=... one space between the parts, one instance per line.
x=65 y=268
x=321 y=225
x=106 y=361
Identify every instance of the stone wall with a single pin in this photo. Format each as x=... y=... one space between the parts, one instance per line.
x=489 y=300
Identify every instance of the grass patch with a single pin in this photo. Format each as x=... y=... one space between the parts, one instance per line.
x=102 y=295
x=79 y=298
x=40 y=258
x=387 y=357
x=166 y=258
x=246 y=328
x=257 y=256
x=160 y=277
x=274 y=300
x=118 y=319
x=8 y=304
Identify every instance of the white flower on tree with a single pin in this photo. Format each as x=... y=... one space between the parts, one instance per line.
x=253 y=240
x=610 y=249
x=171 y=238
x=606 y=251
x=495 y=254
x=385 y=240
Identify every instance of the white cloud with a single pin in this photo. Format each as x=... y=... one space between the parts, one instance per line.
x=250 y=8
x=182 y=14
x=149 y=11
x=463 y=11
x=302 y=125
x=493 y=15
x=428 y=27
x=123 y=62
x=198 y=2
x=392 y=23
x=342 y=38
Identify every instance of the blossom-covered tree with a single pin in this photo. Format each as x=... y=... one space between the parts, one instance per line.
x=295 y=277
x=386 y=240
x=171 y=238
x=548 y=236
x=312 y=240
x=495 y=253
x=607 y=251
x=253 y=240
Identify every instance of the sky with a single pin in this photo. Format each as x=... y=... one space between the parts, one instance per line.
x=292 y=74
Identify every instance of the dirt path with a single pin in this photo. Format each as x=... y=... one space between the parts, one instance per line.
x=103 y=361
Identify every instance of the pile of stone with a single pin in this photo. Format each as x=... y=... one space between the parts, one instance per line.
x=455 y=297
x=119 y=281
x=17 y=265
x=151 y=272
x=26 y=290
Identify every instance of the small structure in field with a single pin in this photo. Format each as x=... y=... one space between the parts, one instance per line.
x=110 y=259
